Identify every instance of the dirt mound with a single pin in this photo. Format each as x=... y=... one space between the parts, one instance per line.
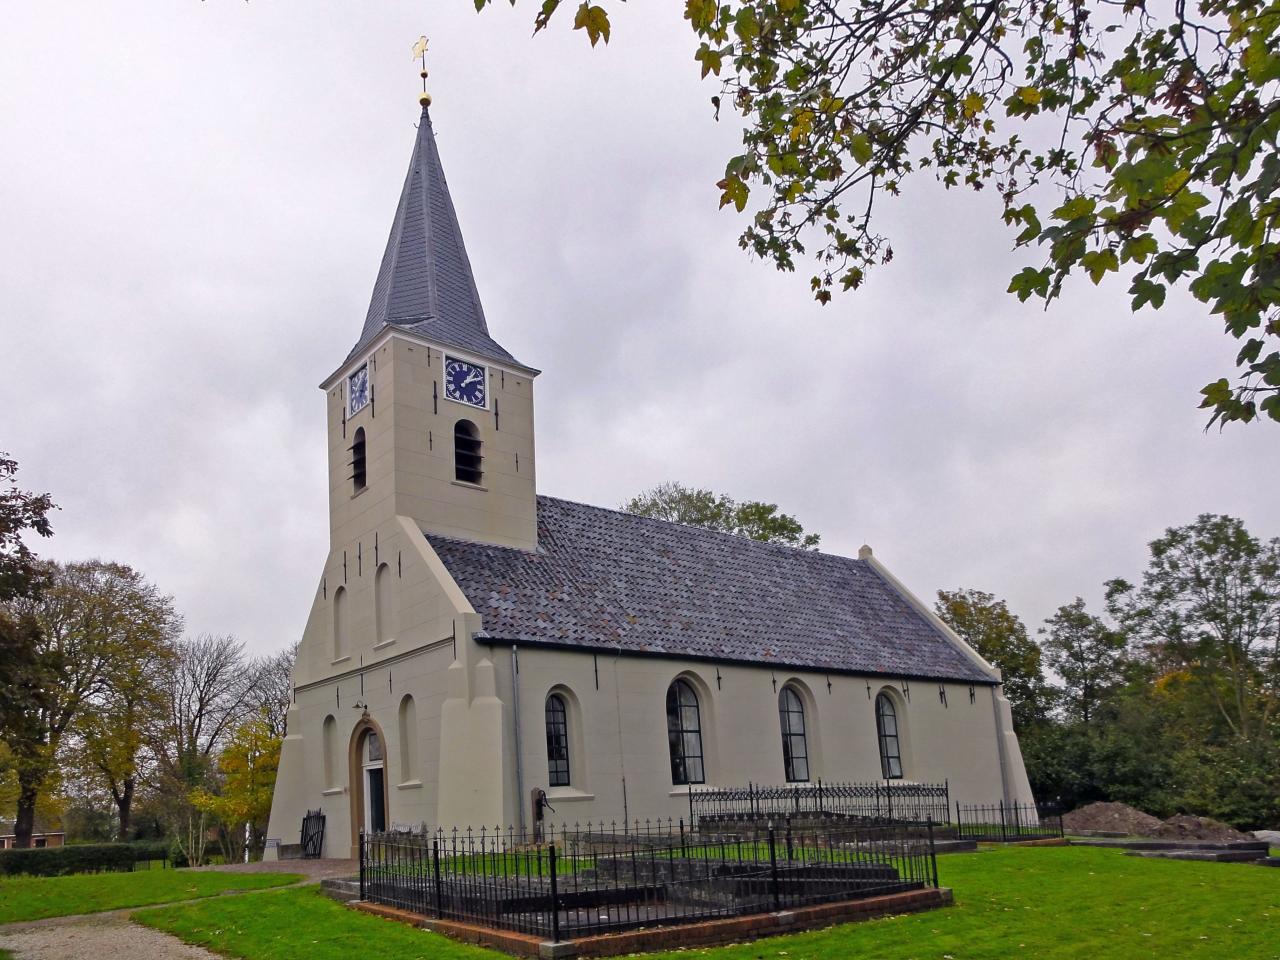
x=1186 y=827
x=1111 y=818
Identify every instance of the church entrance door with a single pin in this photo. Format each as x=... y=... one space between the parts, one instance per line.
x=375 y=780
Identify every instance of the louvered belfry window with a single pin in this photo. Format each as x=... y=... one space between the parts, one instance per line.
x=468 y=461
x=358 y=475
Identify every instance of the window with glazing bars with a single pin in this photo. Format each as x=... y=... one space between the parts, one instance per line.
x=795 y=746
x=684 y=734
x=557 y=742
x=887 y=732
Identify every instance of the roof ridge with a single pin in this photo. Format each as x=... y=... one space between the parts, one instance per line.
x=736 y=537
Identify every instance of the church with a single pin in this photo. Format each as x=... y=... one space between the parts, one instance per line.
x=472 y=640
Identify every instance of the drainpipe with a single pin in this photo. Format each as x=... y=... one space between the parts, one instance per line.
x=515 y=723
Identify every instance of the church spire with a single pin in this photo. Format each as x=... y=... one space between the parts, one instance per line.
x=425 y=282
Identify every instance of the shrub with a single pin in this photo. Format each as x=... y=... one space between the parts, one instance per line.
x=79 y=858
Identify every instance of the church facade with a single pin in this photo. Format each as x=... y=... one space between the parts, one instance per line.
x=471 y=641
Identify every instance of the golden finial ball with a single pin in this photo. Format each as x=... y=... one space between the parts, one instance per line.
x=425 y=99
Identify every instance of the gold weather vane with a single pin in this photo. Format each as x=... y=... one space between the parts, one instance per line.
x=420 y=53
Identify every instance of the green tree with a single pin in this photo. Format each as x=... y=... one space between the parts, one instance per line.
x=124 y=717
x=991 y=628
x=91 y=620
x=702 y=508
x=1209 y=606
x=1088 y=655
x=1118 y=138
x=247 y=773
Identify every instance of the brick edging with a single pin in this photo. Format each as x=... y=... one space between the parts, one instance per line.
x=705 y=933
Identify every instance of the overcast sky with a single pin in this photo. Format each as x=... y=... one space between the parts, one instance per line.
x=194 y=198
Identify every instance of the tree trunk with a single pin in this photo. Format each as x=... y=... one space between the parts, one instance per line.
x=25 y=821
x=124 y=805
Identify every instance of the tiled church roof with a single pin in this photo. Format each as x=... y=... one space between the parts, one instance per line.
x=605 y=580
x=425 y=283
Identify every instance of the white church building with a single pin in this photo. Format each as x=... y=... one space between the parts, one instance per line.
x=471 y=640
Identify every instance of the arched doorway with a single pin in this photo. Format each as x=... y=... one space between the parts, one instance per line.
x=369 y=799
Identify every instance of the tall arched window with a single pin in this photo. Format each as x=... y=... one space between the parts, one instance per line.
x=795 y=746
x=329 y=744
x=341 y=629
x=383 y=605
x=408 y=736
x=468 y=461
x=887 y=733
x=557 y=741
x=358 y=473
x=684 y=733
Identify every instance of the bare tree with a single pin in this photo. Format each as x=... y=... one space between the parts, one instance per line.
x=210 y=690
x=272 y=692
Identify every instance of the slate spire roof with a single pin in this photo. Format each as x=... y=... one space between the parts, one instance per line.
x=605 y=580
x=425 y=282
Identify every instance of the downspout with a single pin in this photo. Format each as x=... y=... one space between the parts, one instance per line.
x=515 y=723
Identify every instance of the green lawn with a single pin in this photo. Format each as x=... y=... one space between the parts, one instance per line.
x=34 y=898
x=1057 y=903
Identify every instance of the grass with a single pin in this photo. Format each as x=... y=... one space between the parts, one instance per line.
x=35 y=898
x=1055 y=903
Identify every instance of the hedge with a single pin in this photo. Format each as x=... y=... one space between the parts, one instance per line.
x=79 y=858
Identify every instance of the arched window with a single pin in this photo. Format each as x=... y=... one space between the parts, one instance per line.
x=887 y=733
x=357 y=461
x=684 y=733
x=795 y=747
x=467 y=458
x=557 y=741
x=408 y=734
x=341 y=632
x=383 y=606
x=329 y=744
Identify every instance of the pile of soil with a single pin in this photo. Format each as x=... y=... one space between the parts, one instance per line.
x=1185 y=827
x=1111 y=818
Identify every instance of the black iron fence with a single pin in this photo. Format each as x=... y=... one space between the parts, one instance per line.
x=1005 y=822
x=874 y=801
x=591 y=879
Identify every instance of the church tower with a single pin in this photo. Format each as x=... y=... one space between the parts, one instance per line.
x=429 y=417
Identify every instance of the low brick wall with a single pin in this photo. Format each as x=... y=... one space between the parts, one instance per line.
x=705 y=933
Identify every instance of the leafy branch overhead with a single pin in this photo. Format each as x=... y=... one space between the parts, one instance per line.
x=703 y=508
x=1118 y=139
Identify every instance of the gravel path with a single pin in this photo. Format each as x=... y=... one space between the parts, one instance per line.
x=97 y=936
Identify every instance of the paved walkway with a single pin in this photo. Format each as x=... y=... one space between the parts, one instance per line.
x=111 y=934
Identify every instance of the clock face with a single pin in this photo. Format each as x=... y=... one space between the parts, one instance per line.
x=464 y=382
x=358 y=390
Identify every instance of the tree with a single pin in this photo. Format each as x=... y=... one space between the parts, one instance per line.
x=1088 y=655
x=272 y=691
x=247 y=772
x=22 y=576
x=209 y=691
x=123 y=720
x=1119 y=138
x=999 y=636
x=20 y=512
x=1209 y=606
x=702 y=508
x=91 y=620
